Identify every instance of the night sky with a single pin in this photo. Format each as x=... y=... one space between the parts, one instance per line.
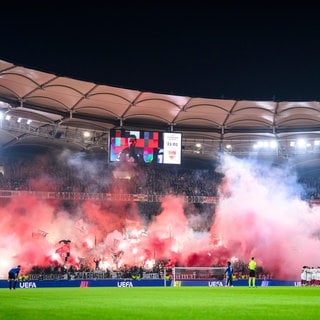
x=234 y=50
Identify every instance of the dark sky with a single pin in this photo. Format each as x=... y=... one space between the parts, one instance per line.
x=232 y=50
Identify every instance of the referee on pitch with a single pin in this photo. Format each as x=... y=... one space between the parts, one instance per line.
x=252 y=273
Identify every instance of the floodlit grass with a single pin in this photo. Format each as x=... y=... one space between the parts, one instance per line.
x=161 y=303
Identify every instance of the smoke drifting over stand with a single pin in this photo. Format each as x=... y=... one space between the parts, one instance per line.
x=259 y=214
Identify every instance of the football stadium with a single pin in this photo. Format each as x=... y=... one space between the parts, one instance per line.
x=130 y=203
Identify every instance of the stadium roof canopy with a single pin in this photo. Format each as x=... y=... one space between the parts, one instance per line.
x=61 y=109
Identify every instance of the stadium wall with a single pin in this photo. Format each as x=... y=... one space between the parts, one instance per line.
x=141 y=283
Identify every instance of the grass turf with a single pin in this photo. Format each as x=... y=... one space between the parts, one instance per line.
x=161 y=303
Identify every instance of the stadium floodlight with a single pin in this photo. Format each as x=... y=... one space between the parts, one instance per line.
x=301 y=143
x=273 y=144
x=86 y=134
x=255 y=146
x=260 y=144
x=265 y=144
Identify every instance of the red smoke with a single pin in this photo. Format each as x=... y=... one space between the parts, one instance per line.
x=256 y=216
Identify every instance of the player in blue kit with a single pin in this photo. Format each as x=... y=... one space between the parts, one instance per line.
x=13 y=275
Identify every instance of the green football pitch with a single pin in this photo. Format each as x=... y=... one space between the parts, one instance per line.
x=161 y=303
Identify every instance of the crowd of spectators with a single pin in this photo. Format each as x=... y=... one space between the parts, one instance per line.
x=43 y=174
x=160 y=270
x=79 y=174
x=310 y=188
x=61 y=272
